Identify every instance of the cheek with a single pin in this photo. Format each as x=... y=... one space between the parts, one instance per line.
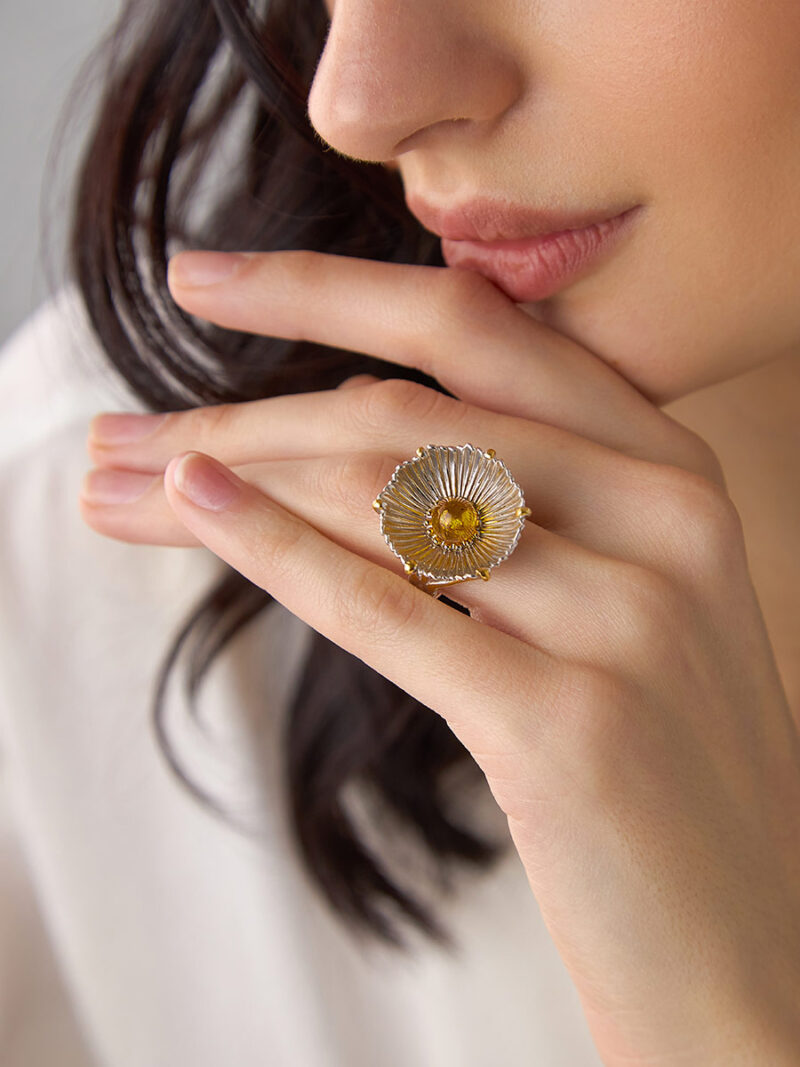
x=704 y=114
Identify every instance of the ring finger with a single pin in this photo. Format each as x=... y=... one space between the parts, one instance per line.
x=551 y=592
x=603 y=499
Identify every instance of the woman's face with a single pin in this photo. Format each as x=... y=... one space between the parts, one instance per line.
x=689 y=107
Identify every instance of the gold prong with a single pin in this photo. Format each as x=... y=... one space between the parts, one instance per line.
x=522 y=512
x=490 y=452
x=421 y=450
x=484 y=574
x=409 y=567
x=377 y=503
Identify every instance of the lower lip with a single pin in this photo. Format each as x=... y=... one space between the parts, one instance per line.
x=534 y=268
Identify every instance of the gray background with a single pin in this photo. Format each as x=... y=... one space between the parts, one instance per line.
x=42 y=45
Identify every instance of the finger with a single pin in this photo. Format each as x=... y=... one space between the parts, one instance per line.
x=357 y=380
x=419 y=644
x=394 y=417
x=601 y=498
x=454 y=325
x=132 y=507
x=551 y=592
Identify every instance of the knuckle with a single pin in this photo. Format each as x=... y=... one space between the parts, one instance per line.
x=205 y=422
x=283 y=543
x=356 y=381
x=302 y=271
x=706 y=461
x=704 y=524
x=356 y=481
x=377 y=604
x=649 y=611
x=717 y=528
x=395 y=402
x=454 y=302
x=298 y=266
x=692 y=520
x=459 y=293
x=691 y=454
x=683 y=490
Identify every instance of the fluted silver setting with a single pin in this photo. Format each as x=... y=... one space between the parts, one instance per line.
x=462 y=473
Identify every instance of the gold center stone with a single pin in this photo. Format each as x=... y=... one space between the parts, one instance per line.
x=454 y=521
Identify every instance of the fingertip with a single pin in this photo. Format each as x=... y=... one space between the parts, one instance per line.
x=169 y=470
x=198 y=269
x=203 y=480
x=358 y=380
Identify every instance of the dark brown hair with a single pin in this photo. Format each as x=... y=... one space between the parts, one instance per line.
x=178 y=79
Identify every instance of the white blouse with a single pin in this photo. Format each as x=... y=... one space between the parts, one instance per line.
x=136 y=929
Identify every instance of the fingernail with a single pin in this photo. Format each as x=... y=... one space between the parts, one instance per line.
x=204 y=481
x=115 y=487
x=203 y=268
x=120 y=429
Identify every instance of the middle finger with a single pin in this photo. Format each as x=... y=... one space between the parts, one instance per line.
x=452 y=324
x=551 y=592
x=610 y=503
x=575 y=485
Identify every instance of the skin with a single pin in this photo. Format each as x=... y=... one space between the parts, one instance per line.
x=651 y=771
x=698 y=110
x=689 y=109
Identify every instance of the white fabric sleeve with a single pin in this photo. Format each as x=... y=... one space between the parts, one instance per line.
x=38 y=1024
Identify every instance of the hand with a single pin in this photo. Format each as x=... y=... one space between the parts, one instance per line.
x=615 y=681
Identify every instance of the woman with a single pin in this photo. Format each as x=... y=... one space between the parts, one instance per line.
x=626 y=676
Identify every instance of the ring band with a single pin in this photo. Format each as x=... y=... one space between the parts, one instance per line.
x=451 y=513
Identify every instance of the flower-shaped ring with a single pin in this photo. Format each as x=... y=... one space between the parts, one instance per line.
x=451 y=513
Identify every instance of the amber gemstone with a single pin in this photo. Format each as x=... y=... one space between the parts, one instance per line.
x=454 y=521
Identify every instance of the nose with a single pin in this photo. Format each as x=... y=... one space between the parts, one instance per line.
x=393 y=76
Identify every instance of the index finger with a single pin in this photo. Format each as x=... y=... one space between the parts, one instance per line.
x=452 y=324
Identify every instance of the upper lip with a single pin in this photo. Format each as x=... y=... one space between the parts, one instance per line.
x=485 y=219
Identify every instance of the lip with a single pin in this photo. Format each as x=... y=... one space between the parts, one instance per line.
x=485 y=220
x=535 y=268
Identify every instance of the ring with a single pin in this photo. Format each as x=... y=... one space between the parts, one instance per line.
x=451 y=513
